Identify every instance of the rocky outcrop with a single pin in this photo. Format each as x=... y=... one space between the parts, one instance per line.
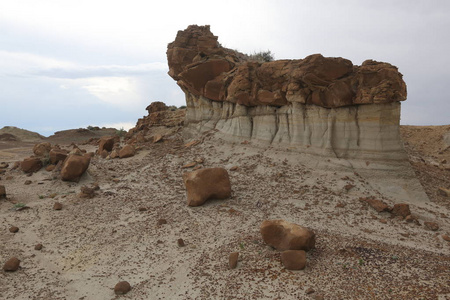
x=283 y=235
x=323 y=105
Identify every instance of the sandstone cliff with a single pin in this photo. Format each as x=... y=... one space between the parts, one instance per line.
x=319 y=105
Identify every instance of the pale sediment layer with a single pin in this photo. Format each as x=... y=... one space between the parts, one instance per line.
x=353 y=132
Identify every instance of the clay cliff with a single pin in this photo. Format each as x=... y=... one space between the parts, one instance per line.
x=319 y=105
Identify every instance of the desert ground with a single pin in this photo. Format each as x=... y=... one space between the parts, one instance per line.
x=129 y=230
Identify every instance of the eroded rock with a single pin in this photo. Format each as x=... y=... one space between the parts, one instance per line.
x=294 y=259
x=74 y=167
x=11 y=264
x=31 y=164
x=206 y=184
x=127 y=151
x=283 y=235
x=122 y=288
x=2 y=192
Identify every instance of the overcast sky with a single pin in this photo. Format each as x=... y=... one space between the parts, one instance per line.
x=69 y=64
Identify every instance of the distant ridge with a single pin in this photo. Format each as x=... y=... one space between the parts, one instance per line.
x=22 y=134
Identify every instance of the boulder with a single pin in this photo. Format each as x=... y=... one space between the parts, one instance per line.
x=283 y=235
x=127 y=151
x=74 y=167
x=31 y=164
x=42 y=149
x=2 y=191
x=106 y=143
x=205 y=184
x=156 y=107
x=11 y=264
x=294 y=259
x=57 y=155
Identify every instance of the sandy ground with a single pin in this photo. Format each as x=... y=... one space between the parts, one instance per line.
x=91 y=244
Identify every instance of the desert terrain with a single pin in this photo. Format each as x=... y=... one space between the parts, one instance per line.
x=91 y=244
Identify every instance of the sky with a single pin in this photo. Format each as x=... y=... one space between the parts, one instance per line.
x=69 y=64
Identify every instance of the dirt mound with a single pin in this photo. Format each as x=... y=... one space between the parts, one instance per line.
x=22 y=134
x=81 y=134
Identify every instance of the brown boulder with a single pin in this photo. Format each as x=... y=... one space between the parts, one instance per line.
x=31 y=164
x=127 y=151
x=57 y=206
x=57 y=155
x=122 y=288
x=283 y=235
x=294 y=259
x=42 y=149
x=106 y=143
x=205 y=184
x=401 y=209
x=376 y=204
x=156 y=107
x=2 y=191
x=11 y=264
x=74 y=167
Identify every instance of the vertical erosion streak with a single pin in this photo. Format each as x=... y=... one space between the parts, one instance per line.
x=358 y=131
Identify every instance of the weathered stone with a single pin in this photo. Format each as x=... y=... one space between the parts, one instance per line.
x=50 y=168
x=57 y=155
x=205 y=184
x=31 y=164
x=11 y=264
x=401 y=209
x=122 y=288
x=294 y=259
x=283 y=235
x=74 y=167
x=376 y=204
x=127 y=151
x=156 y=106
x=42 y=149
x=106 y=143
x=38 y=247
x=180 y=243
x=162 y=222
x=233 y=260
x=433 y=226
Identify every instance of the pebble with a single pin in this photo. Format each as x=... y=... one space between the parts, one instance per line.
x=161 y=222
x=233 y=260
x=12 y=264
x=38 y=247
x=13 y=229
x=180 y=243
x=57 y=206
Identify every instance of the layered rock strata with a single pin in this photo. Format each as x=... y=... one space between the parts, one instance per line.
x=324 y=106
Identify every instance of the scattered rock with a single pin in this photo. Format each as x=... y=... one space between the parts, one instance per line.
x=57 y=206
x=431 y=226
x=50 y=168
x=233 y=260
x=294 y=259
x=283 y=235
x=13 y=229
x=38 y=247
x=27 y=182
x=31 y=164
x=446 y=237
x=2 y=191
x=205 y=184
x=162 y=222
x=157 y=138
x=4 y=165
x=142 y=209
x=74 y=167
x=42 y=149
x=57 y=155
x=122 y=288
x=127 y=151
x=11 y=264
x=401 y=209
x=180 y=243
x=444 y=192
x=376 y=204
x=310 y=291
x=106 y=143
x=87 y=192
x=189 y=165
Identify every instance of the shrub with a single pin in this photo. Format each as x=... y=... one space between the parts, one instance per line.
x=262 y=56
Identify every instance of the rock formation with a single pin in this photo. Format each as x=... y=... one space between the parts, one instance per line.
x=324 y=106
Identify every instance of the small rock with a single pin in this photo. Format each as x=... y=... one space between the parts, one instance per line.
x=446 y=237
x=50 y=168
x=27 y=182
x=38 y=247
x=11 y=265
x=74 y=167
x=162 y=222
x=142 y=209
x=283 y=235
x=57 y=206
x=376 y=204
x=2 y=191
x=233 y=260
x=234 y=168
x=310 y=291
x=13 y=229
x=348 y=187
x=431 y=226
x=180 y=243
x=444 y=192
x=409 y=219
x=127 y=151
x=122 y=288
x=294 y=259
x=189 y=165
x=401 y=209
